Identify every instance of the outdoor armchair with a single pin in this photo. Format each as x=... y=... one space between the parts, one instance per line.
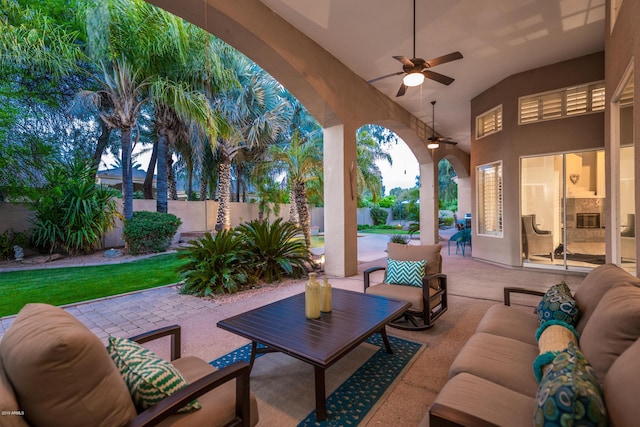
x=54 y=371
x=428 y=301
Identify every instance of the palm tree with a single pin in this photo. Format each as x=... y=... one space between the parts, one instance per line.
x=302 y=162
x=258 y=115
x=368 y=152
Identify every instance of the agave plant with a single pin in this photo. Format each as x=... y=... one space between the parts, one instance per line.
x=277 y=249
x=215 y=265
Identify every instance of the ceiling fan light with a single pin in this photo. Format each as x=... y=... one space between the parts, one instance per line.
x=413 y=79
x=433 y=145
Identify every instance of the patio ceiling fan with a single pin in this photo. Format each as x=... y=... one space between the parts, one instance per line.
x=417 y=69
x=435 y=141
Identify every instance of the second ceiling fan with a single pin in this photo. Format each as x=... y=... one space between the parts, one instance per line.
x=434 y=141
x=417 y=69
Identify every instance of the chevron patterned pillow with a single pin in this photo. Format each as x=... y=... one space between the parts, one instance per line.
x=150 y=378
x=405 y=272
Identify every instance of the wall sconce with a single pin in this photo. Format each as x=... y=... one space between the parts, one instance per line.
x=321 y=262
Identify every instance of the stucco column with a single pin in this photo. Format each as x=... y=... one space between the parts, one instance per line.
x=429 y=204
x=340 y=202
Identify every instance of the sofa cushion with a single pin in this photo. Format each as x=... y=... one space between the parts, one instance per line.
x=569 y=393
x=150 y=378
x=408 y=273
x=218 y=405
x=12 y=414
x=622 y=388
x=61 y=372
x=613 y=327
x=594 y=286
x=485 y=400
x=557 y=305
x=501 y=360
x=499 y=320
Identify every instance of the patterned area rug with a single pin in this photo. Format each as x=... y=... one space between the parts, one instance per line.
x=284 y=386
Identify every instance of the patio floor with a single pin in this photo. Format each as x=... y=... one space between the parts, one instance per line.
x=473 y=287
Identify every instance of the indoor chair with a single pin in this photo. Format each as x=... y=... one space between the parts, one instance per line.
x=428 y=301
x=54 y=371
x=534 y=240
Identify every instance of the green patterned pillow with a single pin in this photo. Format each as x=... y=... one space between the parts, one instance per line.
x=150 y=378
x=405 y=272
x=569 y=394
x=558 y=305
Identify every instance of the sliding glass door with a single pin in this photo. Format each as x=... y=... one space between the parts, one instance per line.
x=562 y=205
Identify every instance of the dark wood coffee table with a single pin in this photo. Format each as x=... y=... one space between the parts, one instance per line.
x=282 y=326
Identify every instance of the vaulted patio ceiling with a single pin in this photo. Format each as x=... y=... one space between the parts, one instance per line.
x=497 y=38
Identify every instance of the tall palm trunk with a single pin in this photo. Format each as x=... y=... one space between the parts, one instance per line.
x=223 y=221
x=103 y=140
x=293 y=208
x=147 y=186
x=127 y=176
x=303 y=213
x=172 y=188
x=162 y=178
x=204 y=184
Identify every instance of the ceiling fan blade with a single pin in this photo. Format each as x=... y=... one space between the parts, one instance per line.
x=443 y=59
x=405 y=61
x=440 y=78
x=446 y=141
x=402 y=90
x=384 y=77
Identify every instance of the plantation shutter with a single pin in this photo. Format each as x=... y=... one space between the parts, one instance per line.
x=490 y=199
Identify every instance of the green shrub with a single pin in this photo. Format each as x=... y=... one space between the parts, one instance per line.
x=448 y=220
x=215 y=265
x=9 y=239
x=277 y=249
x=363 y=227
x=399 y=238
x=72 y=213
x=379 y=216
x=150 y=232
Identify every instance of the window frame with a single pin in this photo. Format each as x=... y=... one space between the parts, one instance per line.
x=482 y=220
x=496 y=113
x=561 y=103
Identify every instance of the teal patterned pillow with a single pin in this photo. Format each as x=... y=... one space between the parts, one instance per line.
x=569 y=393
x=405 y=272
x=558 y=305
x=150 y=378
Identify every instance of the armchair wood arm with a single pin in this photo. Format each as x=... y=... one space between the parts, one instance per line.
x=170 y=405
x=510 y=290
x=368 y=271
x=173 y=331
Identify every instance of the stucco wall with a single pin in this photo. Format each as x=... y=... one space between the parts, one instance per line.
x=514 y=141
x=195 y=216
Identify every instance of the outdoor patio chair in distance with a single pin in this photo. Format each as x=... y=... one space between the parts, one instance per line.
x=429 y=301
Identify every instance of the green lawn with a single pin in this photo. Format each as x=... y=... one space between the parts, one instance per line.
x=58 y=286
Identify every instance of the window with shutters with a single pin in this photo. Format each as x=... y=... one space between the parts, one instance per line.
x=489 y=122
x=489 y=194
x=558 y=104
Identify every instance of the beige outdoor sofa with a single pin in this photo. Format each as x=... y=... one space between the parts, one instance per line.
x=55 y=372
x=492 y=383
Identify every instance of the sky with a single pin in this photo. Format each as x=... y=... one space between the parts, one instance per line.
x=404 y=170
